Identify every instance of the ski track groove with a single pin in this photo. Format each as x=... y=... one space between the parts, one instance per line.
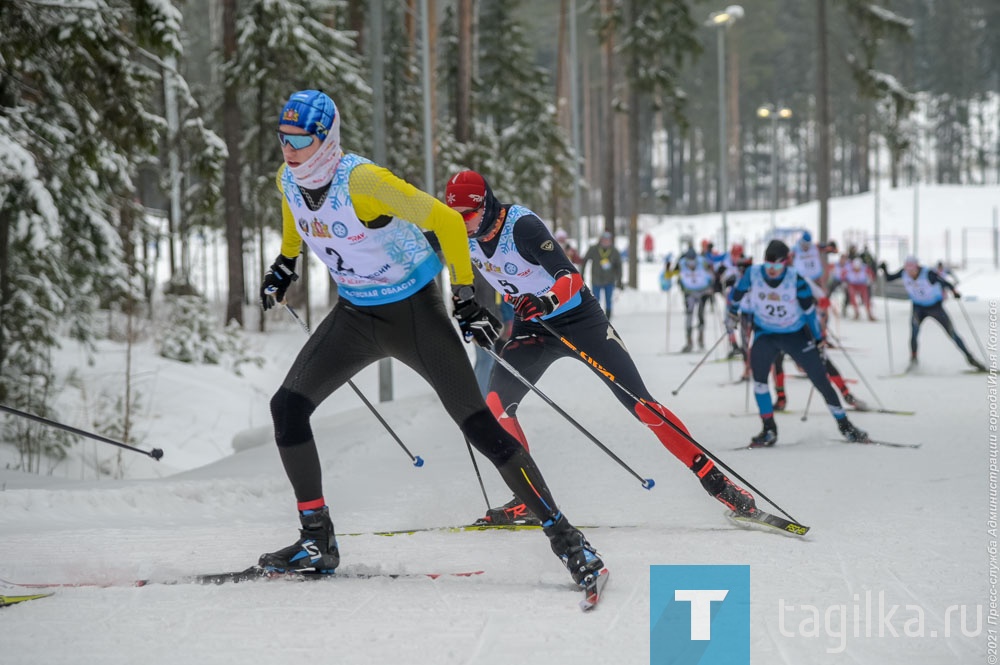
x=929 y=609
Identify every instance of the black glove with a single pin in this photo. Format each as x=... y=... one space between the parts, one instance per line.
x=276 y=281
x=883 y=267
x=529 y=306
x=475 y=321
x=958 y=296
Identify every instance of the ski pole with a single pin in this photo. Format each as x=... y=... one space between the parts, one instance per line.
x=861 y=376
x=888 y=327
x=647 y=483
x=690 y=439
x=975 y=335
x=417 y=460
x=700 y=362
x=805 y=414
x=155 y=453
x=475 y=466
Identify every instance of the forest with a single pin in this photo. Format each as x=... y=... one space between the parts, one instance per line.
x=118 y=115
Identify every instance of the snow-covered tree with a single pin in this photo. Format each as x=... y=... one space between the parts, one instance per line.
x=79 y=91
x=514 y=99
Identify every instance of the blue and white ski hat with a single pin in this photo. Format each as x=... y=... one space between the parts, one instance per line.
x=313 y=111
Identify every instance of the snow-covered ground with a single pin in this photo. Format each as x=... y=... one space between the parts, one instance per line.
x=907 y=529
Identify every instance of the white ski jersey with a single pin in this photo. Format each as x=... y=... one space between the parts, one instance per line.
x=697 y=279
x=372 y=266
x=809 y=263
x=775 y=309
x=509 y=272
x=921 y=291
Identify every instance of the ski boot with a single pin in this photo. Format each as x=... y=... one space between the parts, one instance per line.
x=722 y=488
x=514 y=512
x=579 y=556
x=688 y=347
x=314 y=552
x=768 y=436
x=852 y=433
x=701 y=339
x=912 y=366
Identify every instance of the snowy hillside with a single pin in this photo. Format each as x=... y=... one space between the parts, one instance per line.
x=891 y=528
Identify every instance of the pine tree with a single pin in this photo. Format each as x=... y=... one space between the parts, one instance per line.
x=513 y=99
x=77 y=118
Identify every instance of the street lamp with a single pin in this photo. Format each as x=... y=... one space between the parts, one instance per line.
x=774 y=113
x=721 y=20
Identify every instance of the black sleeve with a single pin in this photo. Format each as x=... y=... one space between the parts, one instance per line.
x=893 y=276
x=534 y=242
x=935 y=278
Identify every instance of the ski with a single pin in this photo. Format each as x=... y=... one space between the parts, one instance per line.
x=13 y=600
x=470 y=527
x=450 y=529
x=786 y=444
x=894 y=412
x=251 y=574
x=256 y=573
x=593 y=589
x=768 y=521
x=875 y=442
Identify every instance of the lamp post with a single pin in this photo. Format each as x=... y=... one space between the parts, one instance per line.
x=720 y=21
x=774 y=113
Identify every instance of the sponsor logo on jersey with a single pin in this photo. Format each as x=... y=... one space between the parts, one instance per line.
x=340 y=229
x=510 y=268
x=548 y=246
x=320 y=230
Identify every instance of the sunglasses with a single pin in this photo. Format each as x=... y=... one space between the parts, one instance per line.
x=774 y=266
x=469 y=214
x=296 y=141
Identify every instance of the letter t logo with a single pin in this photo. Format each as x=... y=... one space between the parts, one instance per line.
x=701 y=609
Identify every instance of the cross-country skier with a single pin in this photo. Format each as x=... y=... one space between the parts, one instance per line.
x=783 y=308
x=926 y=290
x=697 y=279
x=367 y=226
x=514 y=250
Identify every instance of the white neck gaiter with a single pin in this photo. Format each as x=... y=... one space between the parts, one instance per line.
x=318 y=170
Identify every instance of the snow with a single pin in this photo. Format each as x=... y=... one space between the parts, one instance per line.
x=907 y=527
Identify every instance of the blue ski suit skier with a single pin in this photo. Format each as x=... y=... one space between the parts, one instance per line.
x=514 y=251
x=367 y=226
x=926 y=290
x=783 y=309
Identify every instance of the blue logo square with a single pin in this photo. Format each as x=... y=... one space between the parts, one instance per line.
x=699 y=615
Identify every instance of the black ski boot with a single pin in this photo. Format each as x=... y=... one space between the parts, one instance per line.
x=852 y=433
x=315 y=551
x=579 y=556
x=768 y=435
x=514 y=512
x=689 y=347
x=722 y=488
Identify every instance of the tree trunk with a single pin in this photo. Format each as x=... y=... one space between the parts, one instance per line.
x=608 y=140
x=463 y=86
x=232 y=193
x=822 y=122
x=562 y=103
x=632 y=133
